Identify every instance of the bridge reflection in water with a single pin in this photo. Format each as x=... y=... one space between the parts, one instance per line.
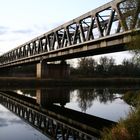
x=56 y=122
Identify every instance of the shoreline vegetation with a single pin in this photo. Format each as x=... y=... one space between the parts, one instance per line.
x=129 y=128
x=31 y=82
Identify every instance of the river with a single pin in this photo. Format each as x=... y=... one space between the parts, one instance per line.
x=103 y=102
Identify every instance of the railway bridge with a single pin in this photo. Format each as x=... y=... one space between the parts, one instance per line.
x=109 y=28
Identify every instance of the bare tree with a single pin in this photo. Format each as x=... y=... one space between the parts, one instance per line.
x=130 y=10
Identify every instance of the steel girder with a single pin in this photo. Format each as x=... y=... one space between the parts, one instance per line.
x=107 y=20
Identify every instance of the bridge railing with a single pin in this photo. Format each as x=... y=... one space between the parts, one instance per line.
x=112 y=18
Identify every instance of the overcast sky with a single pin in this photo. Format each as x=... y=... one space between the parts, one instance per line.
x=22 y=20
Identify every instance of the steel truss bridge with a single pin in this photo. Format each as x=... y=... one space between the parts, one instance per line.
x=103 y=30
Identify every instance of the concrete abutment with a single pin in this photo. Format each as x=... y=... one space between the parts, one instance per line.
x=52 y=71
x=41 y=70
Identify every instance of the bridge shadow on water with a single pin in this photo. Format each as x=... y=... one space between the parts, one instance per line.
x=45 y=110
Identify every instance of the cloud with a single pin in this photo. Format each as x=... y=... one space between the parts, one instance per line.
x=47 y=27
x=22 y=31
x=8 y=118
x=1 y=40
x=7 y=30
x=3 y=30
x=16 y=121
x=3 y=122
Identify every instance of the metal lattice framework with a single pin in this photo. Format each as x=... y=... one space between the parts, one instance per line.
x=87 y=32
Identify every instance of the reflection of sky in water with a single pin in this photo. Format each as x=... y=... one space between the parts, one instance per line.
x=102 y=102
x=13 y=128
x=111 y=110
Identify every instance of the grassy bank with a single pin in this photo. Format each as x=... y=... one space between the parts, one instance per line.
x=128 y=129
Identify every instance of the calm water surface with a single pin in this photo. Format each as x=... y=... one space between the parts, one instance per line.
x=102 y=102
x=13 y=128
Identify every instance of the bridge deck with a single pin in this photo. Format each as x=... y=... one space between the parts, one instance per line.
x=102 y=30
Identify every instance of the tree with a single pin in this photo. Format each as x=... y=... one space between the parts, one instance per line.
x=105 y=66
x=130 y=68
x=87 y=66
x=85 y=98
x=130 y=11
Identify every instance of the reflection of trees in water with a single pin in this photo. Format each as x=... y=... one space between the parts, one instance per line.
x=105 y=95
x=85 y=97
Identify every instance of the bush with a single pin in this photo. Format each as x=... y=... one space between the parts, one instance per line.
x=128 y=129
x=116 y=133
x=132 y=98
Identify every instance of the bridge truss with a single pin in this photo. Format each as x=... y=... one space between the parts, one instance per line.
x=82 y=36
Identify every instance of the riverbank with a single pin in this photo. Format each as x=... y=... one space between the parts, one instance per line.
x=129 y=128
x=33 y=82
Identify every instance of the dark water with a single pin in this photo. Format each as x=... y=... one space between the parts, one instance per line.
x=102 y=102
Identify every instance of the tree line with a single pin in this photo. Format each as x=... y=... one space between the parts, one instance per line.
x=106 y=67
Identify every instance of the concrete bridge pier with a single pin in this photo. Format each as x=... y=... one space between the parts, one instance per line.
x=52 y=71
x=46 y=97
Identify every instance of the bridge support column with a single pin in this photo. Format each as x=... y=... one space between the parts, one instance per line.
x=52 y=71
x=46 y=97
x=40 y=67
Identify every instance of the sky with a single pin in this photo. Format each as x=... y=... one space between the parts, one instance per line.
x=22 y=20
